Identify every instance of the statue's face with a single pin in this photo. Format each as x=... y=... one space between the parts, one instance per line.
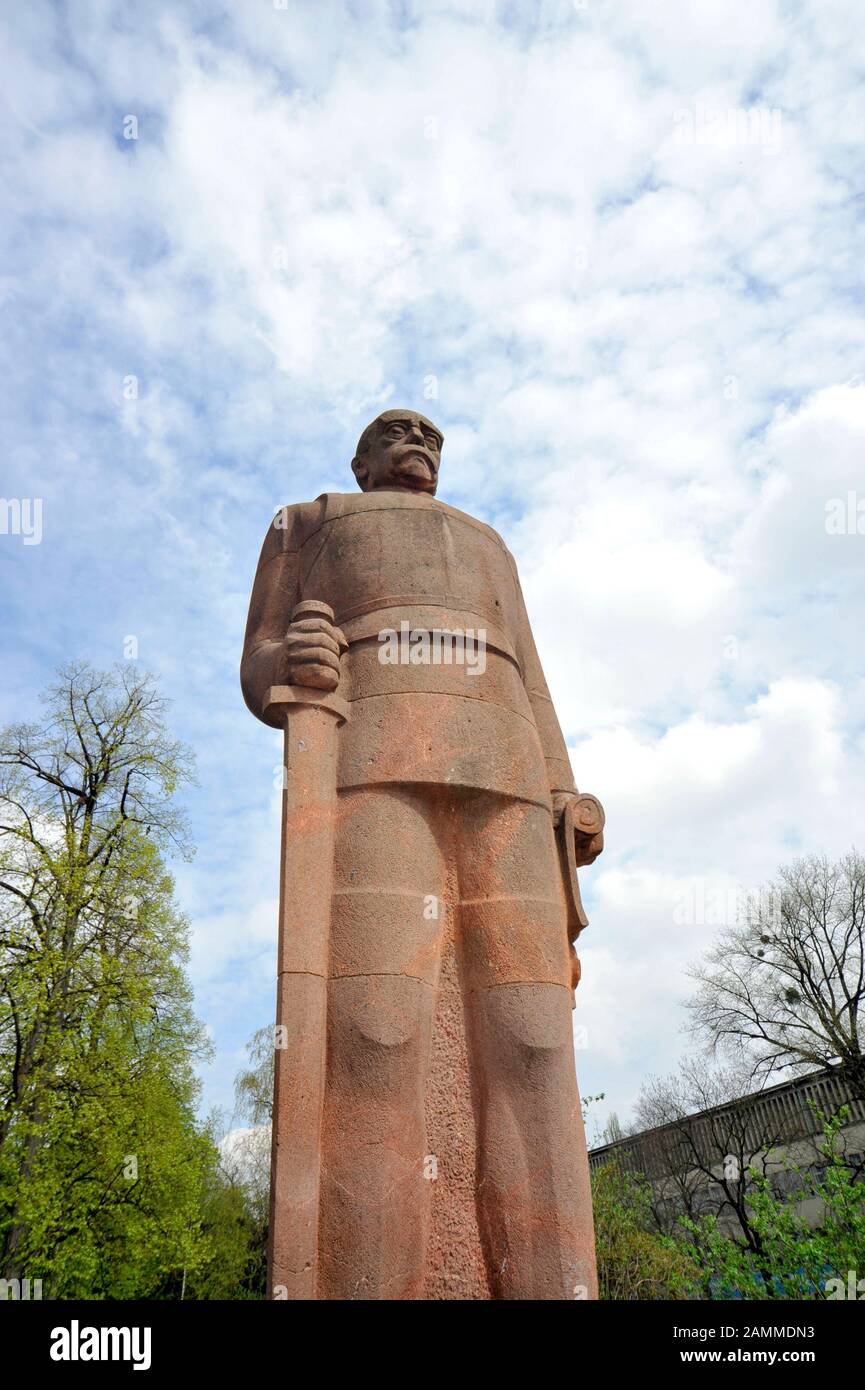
x=405 y=453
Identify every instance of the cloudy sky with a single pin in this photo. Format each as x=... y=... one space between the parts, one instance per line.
x=613 y=249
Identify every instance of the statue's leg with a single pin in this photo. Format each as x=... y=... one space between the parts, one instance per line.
x=384 y=950
x=534 y=1198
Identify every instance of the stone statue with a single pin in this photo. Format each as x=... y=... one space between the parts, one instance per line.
x=428 y=1140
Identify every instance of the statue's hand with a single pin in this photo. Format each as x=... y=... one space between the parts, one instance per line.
x=311 y=652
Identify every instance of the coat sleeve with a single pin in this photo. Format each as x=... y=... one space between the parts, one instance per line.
x=559 y=771
x=274 y=595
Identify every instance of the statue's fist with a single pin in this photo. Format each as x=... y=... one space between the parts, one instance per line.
x=311 y=652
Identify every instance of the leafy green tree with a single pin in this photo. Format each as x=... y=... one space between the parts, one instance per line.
x=102 y=1165
x=236 y=1205
x=234 y=1216
x=634 y=1262
x=245 y=1154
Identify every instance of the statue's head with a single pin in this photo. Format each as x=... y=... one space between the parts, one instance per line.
x=400 y=449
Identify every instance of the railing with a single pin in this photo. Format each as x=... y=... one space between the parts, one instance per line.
x=780 y=1115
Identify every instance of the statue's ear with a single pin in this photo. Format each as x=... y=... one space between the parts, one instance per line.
x=360 y=471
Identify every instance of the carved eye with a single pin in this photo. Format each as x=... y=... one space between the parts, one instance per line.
x=431 y=442
x=396 y=431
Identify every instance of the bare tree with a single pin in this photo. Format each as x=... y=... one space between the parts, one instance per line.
x=612 y=1133
x=708 y=1144
x=785 y=987
x=253 y=1087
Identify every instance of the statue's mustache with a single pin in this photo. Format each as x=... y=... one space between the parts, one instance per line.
x=407 y=452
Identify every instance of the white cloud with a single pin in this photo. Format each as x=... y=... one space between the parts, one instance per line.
x=645 y=354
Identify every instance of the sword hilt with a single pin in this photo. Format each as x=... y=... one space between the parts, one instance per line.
x=286 y=696
x=312 y=608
